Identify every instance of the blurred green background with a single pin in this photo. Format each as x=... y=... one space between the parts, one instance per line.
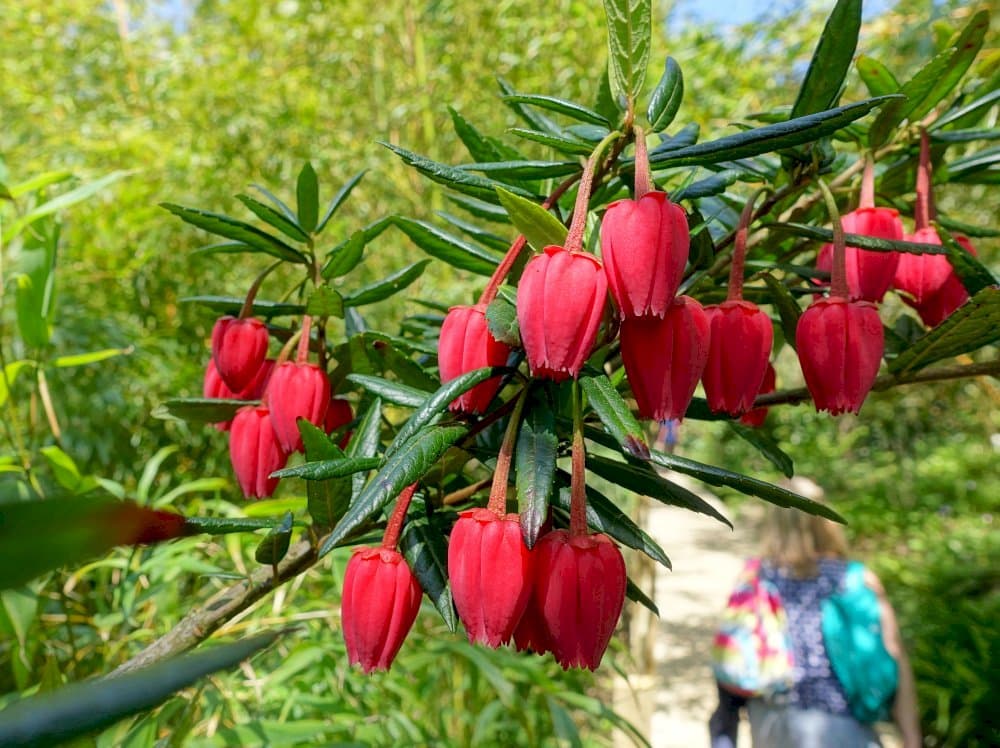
x=197 y=107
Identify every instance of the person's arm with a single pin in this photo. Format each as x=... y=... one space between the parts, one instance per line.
x=904 y=708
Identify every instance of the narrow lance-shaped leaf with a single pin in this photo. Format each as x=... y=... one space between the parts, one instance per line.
x=339 y=199
x=233 y=304
x=831 y=60
x=562 y=106
x=450 y=249
x=388 y=286
x=629 y=31
x=615 y=414
x=307 y=197
x=667 y=97
x=877 y=77
x=535 y=466
x=764 y=444
x=538 y=225
x=346 y=256
x=201 y=409
x=392 y=391
x=424 y=549
x=274 y=545
x=636 y=595
x=561 y=143
x=230 y=228
x=327 y=469
x=873 y=243
x=226 y=525
x=408 y=463
x=366 y=440
x=273 y=218
x=974 y=275
x=788 y=308
x=326 y=500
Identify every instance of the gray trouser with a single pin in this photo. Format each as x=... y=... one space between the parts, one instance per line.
x=773 y=726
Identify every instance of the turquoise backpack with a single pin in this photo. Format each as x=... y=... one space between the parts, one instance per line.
x=852 y=633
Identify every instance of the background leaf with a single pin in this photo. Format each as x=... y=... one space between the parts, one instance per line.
x=629 y=30
x=831 y=60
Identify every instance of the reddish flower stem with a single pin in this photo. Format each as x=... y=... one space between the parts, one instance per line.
x=500 y=274
x=395 y=525
x=303 y=353
x=578 y=476
x=574 y=240
x=838 y=275
x=498 y=491
x=286 y=349
x=867 y=198
x=740 y=248
x=247 y=309
x=923 y=211
x=643 y=175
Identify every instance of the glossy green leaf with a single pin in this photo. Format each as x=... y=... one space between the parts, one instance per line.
x=766 y=139
x=230 y=228
x=327 y=469
x=974 y=275
x=233 y=304
x=535 y=466
x=786 y=305
x=478 y=208
x=615 y=414
x=342 y=194
x=325 y=301
x=501 y=319
x=713 y=185
x=273 y=218
x=538 y=225
x=388 y=286
x=274 y=545
x=535 y=119
x=562 y=106
x=877 y=77
x=226 y=525
x=410 y=461
x=93 y=357
x=636 y=595
x=857 y=240
x=326 y=500
x=482 y=235
x=347 y=255
x=366 y=440
x=200 y=409
x=667 y=97
x=277 y=202
x=970 y=327
x=831 y=60
x=764 y=444
x=481 y=147
x=561 y=143
x=629 y=31
x=394 y=392
x=307 y=197
x=642 y=479
x=980 y=105
x=524 y=169
x=89 y=706
x=424 y=548
x=450 y=249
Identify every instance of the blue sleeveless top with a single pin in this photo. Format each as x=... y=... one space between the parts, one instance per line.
x=816 y=686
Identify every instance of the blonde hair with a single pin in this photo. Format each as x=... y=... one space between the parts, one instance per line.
x=797 y=541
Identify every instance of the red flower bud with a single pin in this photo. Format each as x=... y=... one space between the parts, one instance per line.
x=755 y=418
x=338 y=414
x=922 y=276
x=739 y=348
x=665 y=358
x=297 y=391
x=579 y=590
x=239 y=347
x=560 y=302
x=255 y=452
x=644 y=245
x=869 y=273
x=840 y=346
x=465 y=345
x=490 y=572
x=940 y=305
x=380 y=602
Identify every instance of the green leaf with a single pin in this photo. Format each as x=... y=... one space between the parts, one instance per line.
x=629 y=31
x=633 y=593
x=87 y=707
x=667 y=97
x=230 y=228
x=479 y=209
x=388 y=286
x=982 y=104
x=877 y=77
x=457 y=179
x=326 y=500
x=934 y=81
x=277 y=201
x=426 y=553
x=64 y=469
x=31 y=323
x=788 y=308
x=561 y=143
x=538 y=225
x=831 y=60
x=307 y=197
x=480 y=147
x=766 y=446
x=39 y=182
x=482 y=235
x=615 y=414
x=413 y=458
x=858 y=240
x=766 y=139
x=346 y=256
x=971 y=326
x=537 y=120
x=524 y=169
x=339 y=199
x=450 y=249
x=225 y=525
x=325 y=302
x=562 y=106
x=274 y=545
x=273 y=218
x=201 y=409
x=233 y=304
x=366 y=440
x=501 y=319
x=974 y=275
x=395 y=392
x=60 y=202
x=82 y=359
x=327 y=469
x=535 y=466
x=9 y=376
x=641 y=478
x=713 y=185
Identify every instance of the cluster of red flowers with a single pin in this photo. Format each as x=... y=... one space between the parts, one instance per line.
x=262 y=436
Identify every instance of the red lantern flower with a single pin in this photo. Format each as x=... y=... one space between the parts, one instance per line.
x=239 y=347
x=465 y=345
x=579 y=590
x=840 y=346
x=869 y=273
x=297 y=390
x=338 y=414
x=560 y=302
x=644 y=245
x=739 y=348
x=380 y=602
x=255 y=452
x=531 y=634
x=922 y=276
x=665 y=358
x=755 y=418
x=490 y=573
x=940 y=305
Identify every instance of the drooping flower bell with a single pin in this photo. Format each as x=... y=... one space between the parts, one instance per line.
x=255 y=451
x=297 y=391
x=239 y=347
x=338 y=414
x=839 y=342
x=579 y=591
x=465 y=345
x=755 y=418
x=213 y=387
x=531 y=634
x=665 y=358
x=940 y=305
x=380 y=602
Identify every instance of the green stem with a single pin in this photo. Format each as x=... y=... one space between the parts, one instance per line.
x=838 y=275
